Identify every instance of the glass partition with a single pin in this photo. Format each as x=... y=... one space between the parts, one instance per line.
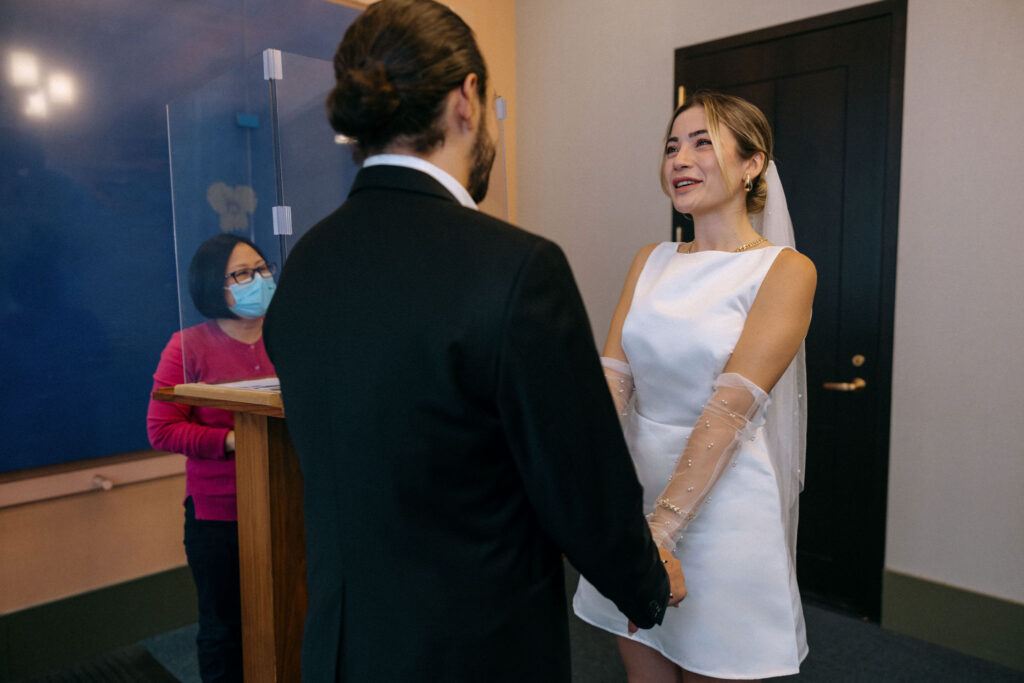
x=316 y=171
x=222 y=173
x=252 y=155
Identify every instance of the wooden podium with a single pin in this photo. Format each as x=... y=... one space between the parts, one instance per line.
x=271 y=534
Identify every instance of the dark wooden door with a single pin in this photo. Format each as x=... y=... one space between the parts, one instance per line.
x=832 y=89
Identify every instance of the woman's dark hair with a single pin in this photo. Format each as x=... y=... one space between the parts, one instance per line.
x=394 y=68
x=206 y=274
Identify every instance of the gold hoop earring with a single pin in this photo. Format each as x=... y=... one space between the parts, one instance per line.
x=748 y=186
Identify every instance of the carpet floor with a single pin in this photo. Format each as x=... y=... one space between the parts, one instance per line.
x=132 y=664
x=843 y=649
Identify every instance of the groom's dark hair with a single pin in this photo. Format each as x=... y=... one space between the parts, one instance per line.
x=394 y=68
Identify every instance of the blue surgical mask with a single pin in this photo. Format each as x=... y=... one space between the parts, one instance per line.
x=252 y=298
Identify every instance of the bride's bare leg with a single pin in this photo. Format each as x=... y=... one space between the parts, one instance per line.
x=690 y=677
x=644 y=665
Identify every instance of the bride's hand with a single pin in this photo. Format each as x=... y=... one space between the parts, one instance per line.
x=677 y=582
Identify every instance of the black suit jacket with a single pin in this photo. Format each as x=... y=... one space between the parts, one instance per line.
x=456 y=436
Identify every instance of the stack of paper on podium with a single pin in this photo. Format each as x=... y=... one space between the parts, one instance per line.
x=263 y=391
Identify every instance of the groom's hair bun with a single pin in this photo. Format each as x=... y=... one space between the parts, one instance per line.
x=394 y=69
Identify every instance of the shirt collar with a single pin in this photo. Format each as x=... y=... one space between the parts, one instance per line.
x=441 y=176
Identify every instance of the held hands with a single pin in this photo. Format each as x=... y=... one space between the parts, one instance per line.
x=676 y=582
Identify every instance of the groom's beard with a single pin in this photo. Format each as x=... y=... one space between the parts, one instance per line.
x=484 y=151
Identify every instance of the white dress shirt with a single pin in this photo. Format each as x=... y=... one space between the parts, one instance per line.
x=441 y=176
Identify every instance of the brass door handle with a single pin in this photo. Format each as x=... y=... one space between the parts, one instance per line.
x=856 y=385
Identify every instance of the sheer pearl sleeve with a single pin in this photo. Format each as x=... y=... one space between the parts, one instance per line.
x=620 y=382
x=728 y=417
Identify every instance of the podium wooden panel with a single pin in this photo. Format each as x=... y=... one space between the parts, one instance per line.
x=271 y=535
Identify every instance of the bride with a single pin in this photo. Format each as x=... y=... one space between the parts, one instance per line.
x=706 y=340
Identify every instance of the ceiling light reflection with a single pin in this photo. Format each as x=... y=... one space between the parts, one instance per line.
x=35 y=105
x=23 y=69
x=62 y=88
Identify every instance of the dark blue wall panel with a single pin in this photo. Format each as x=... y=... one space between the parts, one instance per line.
x=87 y=271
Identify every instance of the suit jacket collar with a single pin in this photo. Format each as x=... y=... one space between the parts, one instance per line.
x=400 y=178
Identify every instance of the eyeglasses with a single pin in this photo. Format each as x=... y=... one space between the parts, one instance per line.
x=245 y=275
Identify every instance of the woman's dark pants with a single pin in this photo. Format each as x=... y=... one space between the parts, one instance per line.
x=212 y=550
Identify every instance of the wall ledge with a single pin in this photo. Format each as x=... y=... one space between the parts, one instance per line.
x=87 y=476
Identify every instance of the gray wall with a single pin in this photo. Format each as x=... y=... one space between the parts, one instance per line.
x=594 y=80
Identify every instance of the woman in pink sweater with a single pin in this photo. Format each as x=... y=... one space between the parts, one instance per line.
x=231 y=283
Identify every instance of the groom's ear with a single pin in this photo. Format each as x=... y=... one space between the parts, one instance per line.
x=467 y=107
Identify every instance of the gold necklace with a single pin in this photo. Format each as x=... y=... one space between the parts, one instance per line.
x=750 y=245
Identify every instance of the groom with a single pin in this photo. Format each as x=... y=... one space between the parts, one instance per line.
x=444 y=394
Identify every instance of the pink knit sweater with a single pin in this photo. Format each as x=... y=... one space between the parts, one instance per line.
x=211 y=356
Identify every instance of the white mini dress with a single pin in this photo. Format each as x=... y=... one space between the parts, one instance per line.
x=742 y=617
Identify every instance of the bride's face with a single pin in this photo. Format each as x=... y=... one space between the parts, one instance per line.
x=691 y=173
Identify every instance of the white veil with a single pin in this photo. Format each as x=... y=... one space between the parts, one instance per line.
x=786 y=415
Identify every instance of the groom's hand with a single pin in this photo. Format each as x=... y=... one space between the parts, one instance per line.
x=676 y=582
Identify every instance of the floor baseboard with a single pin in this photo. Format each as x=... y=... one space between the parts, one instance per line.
x=973 y=623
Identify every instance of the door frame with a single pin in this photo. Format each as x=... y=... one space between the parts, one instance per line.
x=876 y=502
